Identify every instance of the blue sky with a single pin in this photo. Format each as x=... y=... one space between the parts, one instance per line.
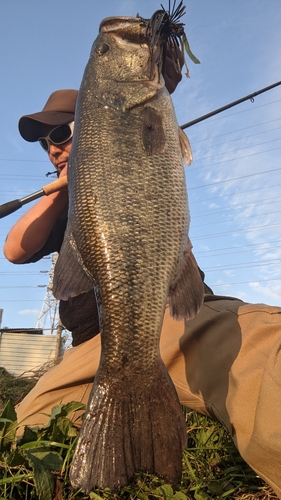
x=234 y=181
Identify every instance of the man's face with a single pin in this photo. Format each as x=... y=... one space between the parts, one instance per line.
x=59 y=155
x=57 y=142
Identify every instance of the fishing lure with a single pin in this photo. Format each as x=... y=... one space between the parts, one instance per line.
x=164 y=27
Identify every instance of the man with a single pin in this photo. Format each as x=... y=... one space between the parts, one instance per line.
x=225 y=363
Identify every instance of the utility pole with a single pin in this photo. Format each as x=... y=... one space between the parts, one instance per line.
x=48 y=318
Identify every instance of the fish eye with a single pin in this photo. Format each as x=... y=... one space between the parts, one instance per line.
x=102 y=49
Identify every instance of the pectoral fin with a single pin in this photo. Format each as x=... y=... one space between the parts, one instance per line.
x=185 y=147
x=187 y=292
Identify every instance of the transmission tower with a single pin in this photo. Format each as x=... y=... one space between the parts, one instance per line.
x=48 y=318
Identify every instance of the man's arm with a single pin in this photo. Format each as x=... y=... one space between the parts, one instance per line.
x=32 y=230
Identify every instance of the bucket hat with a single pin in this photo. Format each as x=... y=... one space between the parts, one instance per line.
x=58 y=110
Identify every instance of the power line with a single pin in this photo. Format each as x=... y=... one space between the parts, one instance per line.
x=242 y=265
x=239 y=149
x=250 y=247
x=22 y=286
x=225 y=221
x=235 y=178
x=240 y=206
x=237 y=231
x=206 y=140
x=237 y=158
x=235 y=140
x=230 y=195
x=243 y=282
x=21 y=300
x=25 y=161
x=12 y=273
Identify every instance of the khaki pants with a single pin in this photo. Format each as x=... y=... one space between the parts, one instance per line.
x=225 y=363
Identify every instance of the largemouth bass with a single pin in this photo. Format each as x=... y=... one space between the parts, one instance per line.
x=127 y=237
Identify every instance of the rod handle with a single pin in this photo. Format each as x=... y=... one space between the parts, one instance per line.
x=9 y=207
x=55 y=186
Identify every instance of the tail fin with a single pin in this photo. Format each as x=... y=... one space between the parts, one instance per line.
x=127 y=429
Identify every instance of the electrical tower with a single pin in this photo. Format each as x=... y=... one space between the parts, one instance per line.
x=48 y=318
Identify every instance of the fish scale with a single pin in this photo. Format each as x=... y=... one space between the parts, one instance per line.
x=127 y=237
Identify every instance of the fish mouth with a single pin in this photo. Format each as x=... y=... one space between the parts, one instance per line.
x=119 y=22
x=162 y=27
x=131 y=28
x=155 y=33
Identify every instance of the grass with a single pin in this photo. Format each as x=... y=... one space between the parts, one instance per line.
x=37 y=467
x=13 y=389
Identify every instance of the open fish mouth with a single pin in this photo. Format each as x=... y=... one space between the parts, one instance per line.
x=164 y=24
x=162 y=29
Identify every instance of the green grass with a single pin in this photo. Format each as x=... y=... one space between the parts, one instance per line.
x=37 y=467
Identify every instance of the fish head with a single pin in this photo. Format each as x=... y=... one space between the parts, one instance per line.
x=140 y=62
x=124 y=68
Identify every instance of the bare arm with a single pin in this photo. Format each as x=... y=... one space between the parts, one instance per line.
x=32 y=230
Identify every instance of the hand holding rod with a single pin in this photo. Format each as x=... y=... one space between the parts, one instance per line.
x=11 y=206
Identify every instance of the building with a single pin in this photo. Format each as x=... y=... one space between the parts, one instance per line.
x=23 y=350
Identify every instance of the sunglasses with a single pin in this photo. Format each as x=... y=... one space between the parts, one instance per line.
x=57 y=136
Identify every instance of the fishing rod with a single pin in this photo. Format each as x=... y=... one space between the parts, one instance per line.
x=250 y=97
x=53 y=187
